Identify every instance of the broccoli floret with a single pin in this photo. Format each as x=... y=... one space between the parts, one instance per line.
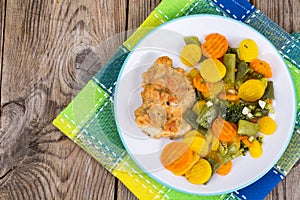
x=231 y=111
x=242 y=74
x=257 y=75
x=260 y=139
x=207 y=115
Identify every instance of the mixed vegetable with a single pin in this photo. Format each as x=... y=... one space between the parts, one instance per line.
x=231 y=114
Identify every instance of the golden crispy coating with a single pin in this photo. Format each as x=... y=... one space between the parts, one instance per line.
x=167 y=93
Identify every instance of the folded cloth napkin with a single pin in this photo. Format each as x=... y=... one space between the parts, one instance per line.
x=89 y=119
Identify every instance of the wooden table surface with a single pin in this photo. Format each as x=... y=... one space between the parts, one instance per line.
x=44 y=44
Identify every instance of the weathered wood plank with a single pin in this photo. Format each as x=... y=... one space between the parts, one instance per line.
x=284 y=12
x=2 y=26
x=138 y=11
x=45 y=48
x=123 y=193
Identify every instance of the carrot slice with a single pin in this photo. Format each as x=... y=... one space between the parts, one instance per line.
x=247 y=143
x=215 y=45
x=224 y=169
x=193 y=73
x=262 y=67
x=199 y=84
x=223 y=130
x=229 y=97
x=178 y=157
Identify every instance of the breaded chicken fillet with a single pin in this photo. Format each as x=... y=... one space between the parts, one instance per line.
x=167 y=94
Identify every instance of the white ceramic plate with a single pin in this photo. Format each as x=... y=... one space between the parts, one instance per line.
x=168 y=40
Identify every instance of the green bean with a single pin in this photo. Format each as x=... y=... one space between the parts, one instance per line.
x=242 y=73
x=206 y=116
x=191 y=117
x=269 y=92
x=247 y=128
x=214 y=164
x=223 y=149
x=233 y=51
x=229 y=61
x=192 y=40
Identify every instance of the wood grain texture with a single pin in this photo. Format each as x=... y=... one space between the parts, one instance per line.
x=2 y=25
x=138 y=11
x=284 y=12
x=50 y=50
x=45 y=63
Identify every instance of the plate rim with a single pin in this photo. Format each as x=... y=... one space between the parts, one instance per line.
x=154 y=29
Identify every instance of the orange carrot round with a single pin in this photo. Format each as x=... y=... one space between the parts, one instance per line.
x=224 y=169
x=199 y=84
x=261 y=67
x=229 y=97
x=223 y=130
x=178 y=157
x=215 y=45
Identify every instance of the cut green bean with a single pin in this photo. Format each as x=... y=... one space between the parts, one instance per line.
x=247 y=128
x=192 y=40
x=242 y=73
x=269 y=92
x=206 y=116
x=229 y=62
x=191 y=118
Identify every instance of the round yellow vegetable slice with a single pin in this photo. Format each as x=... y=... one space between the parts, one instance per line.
x=251 y=90
x=212 y=70
x=248 y=50
x=267 y=125
x=190 y=55
x=200 y=173
x=196 y=142
x=255 y=149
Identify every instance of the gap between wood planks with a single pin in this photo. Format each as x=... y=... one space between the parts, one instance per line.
x=3 y=20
